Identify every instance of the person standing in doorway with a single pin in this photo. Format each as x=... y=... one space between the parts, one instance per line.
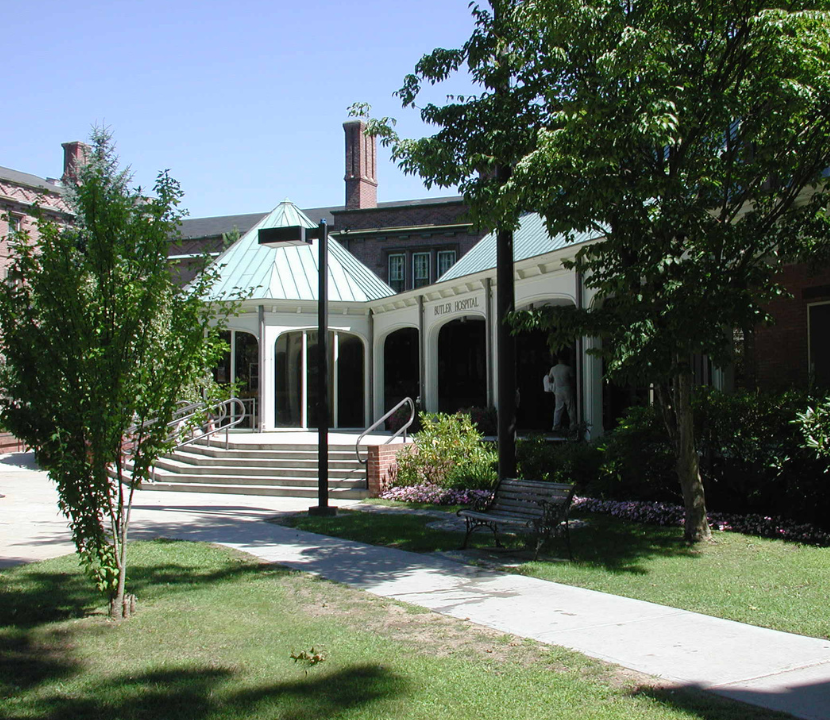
x=563 y=380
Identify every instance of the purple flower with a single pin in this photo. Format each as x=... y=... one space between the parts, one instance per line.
x=657 y=513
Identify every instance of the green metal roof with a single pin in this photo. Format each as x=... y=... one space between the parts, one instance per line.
x=529 y=240
x=290 y=273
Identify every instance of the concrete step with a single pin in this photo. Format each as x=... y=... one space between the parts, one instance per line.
x=290 y=452
x=219 y=444
x=269 y=490
x=276 y=480
x=275 y=469
x=277 y=461
x=258 y=469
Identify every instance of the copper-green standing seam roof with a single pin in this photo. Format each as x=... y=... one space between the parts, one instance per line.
x=530 y=239
x=291 y=273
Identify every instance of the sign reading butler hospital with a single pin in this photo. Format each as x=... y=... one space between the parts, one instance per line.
x=457 y=306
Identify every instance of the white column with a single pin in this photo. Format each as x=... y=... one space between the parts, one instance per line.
x=267 y=379
x=335 y=416
x=592 y=388
x=304 y=383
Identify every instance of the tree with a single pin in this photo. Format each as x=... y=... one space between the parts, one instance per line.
x=691 y=135
x=99 y=345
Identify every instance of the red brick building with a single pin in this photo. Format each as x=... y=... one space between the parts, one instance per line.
x=795 y=350
x=20 y=192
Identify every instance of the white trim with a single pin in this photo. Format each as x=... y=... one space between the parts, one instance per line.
x=810 y=369
x=303 y=380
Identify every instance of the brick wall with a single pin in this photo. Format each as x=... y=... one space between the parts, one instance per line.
x=373 y=251
x=428 y=213
x=17 y=199
x=781 y=349
x=382 y=467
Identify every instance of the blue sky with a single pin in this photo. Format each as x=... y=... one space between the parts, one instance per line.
x=242 y=101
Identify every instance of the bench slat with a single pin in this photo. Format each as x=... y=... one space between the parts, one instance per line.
x=527 y=503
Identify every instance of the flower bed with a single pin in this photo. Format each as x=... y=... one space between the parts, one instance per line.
x=658 y=513
x=435 y=495
x=652 y=513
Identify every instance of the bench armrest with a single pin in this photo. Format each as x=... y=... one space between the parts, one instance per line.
x=479 y=505
x=555 y=511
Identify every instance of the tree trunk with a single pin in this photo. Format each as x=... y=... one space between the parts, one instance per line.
x=121 y=604
x=688 y=469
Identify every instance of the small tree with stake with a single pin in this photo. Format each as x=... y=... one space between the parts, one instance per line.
x=691 y=135
x=98 y=347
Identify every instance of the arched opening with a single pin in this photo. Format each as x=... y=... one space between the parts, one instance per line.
x=462 y=364
x=348 y=393
x=296 y=380
x=400 y=367
x=533 y=361
x=240 y=365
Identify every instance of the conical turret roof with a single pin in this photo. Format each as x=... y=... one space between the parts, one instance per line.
x=291 y=272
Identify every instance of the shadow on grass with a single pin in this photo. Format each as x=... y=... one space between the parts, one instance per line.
x=197 y=693
x=400 y=530
x=706 y=704
x=26 y=664
x=598 y=542
x=31 y=596
x=620 y=547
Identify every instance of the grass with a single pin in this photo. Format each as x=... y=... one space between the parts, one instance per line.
x=763 y=582
x=215 y=633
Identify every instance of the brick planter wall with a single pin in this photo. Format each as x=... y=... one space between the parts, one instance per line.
x=382 y=466
x=9 y=443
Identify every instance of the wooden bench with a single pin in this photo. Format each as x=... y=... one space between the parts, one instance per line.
x=529 y=505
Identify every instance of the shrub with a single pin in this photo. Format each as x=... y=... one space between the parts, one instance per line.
x=814 y=425
x=486 y=420
x=398 y=419
x=636 y=461
x=448 y=452
x=754 y=456
x=566 y=462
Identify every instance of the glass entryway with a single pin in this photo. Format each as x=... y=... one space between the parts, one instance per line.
x=462 y=364
x=240 y=365
x=401 y=367
x=296 y=380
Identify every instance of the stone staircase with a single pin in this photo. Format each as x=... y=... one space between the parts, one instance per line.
x=253 y=469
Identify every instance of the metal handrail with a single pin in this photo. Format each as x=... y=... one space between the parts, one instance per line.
x=403 y=428
x=216 y=413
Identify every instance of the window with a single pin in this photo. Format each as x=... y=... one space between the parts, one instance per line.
x=420 y=269
x=14 y=222
x=819 y=348
x=446 y=259
x=397 y=272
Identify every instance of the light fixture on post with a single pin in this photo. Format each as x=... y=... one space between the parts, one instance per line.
x=295 y=235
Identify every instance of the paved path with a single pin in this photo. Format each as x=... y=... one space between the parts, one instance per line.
x=763 y=667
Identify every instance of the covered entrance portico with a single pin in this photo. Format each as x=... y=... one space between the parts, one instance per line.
x=455 y=323
x=279 y=312
x=435 y=343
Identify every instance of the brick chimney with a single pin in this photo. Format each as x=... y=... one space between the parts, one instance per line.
x=74 y=156
x=361 y=167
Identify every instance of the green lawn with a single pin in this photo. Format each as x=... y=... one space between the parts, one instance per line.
x=769 y=583
x=215 y=632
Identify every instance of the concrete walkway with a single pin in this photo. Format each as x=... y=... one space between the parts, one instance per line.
x=762 y=667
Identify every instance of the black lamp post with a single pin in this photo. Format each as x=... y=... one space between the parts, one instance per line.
x=299 y=235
